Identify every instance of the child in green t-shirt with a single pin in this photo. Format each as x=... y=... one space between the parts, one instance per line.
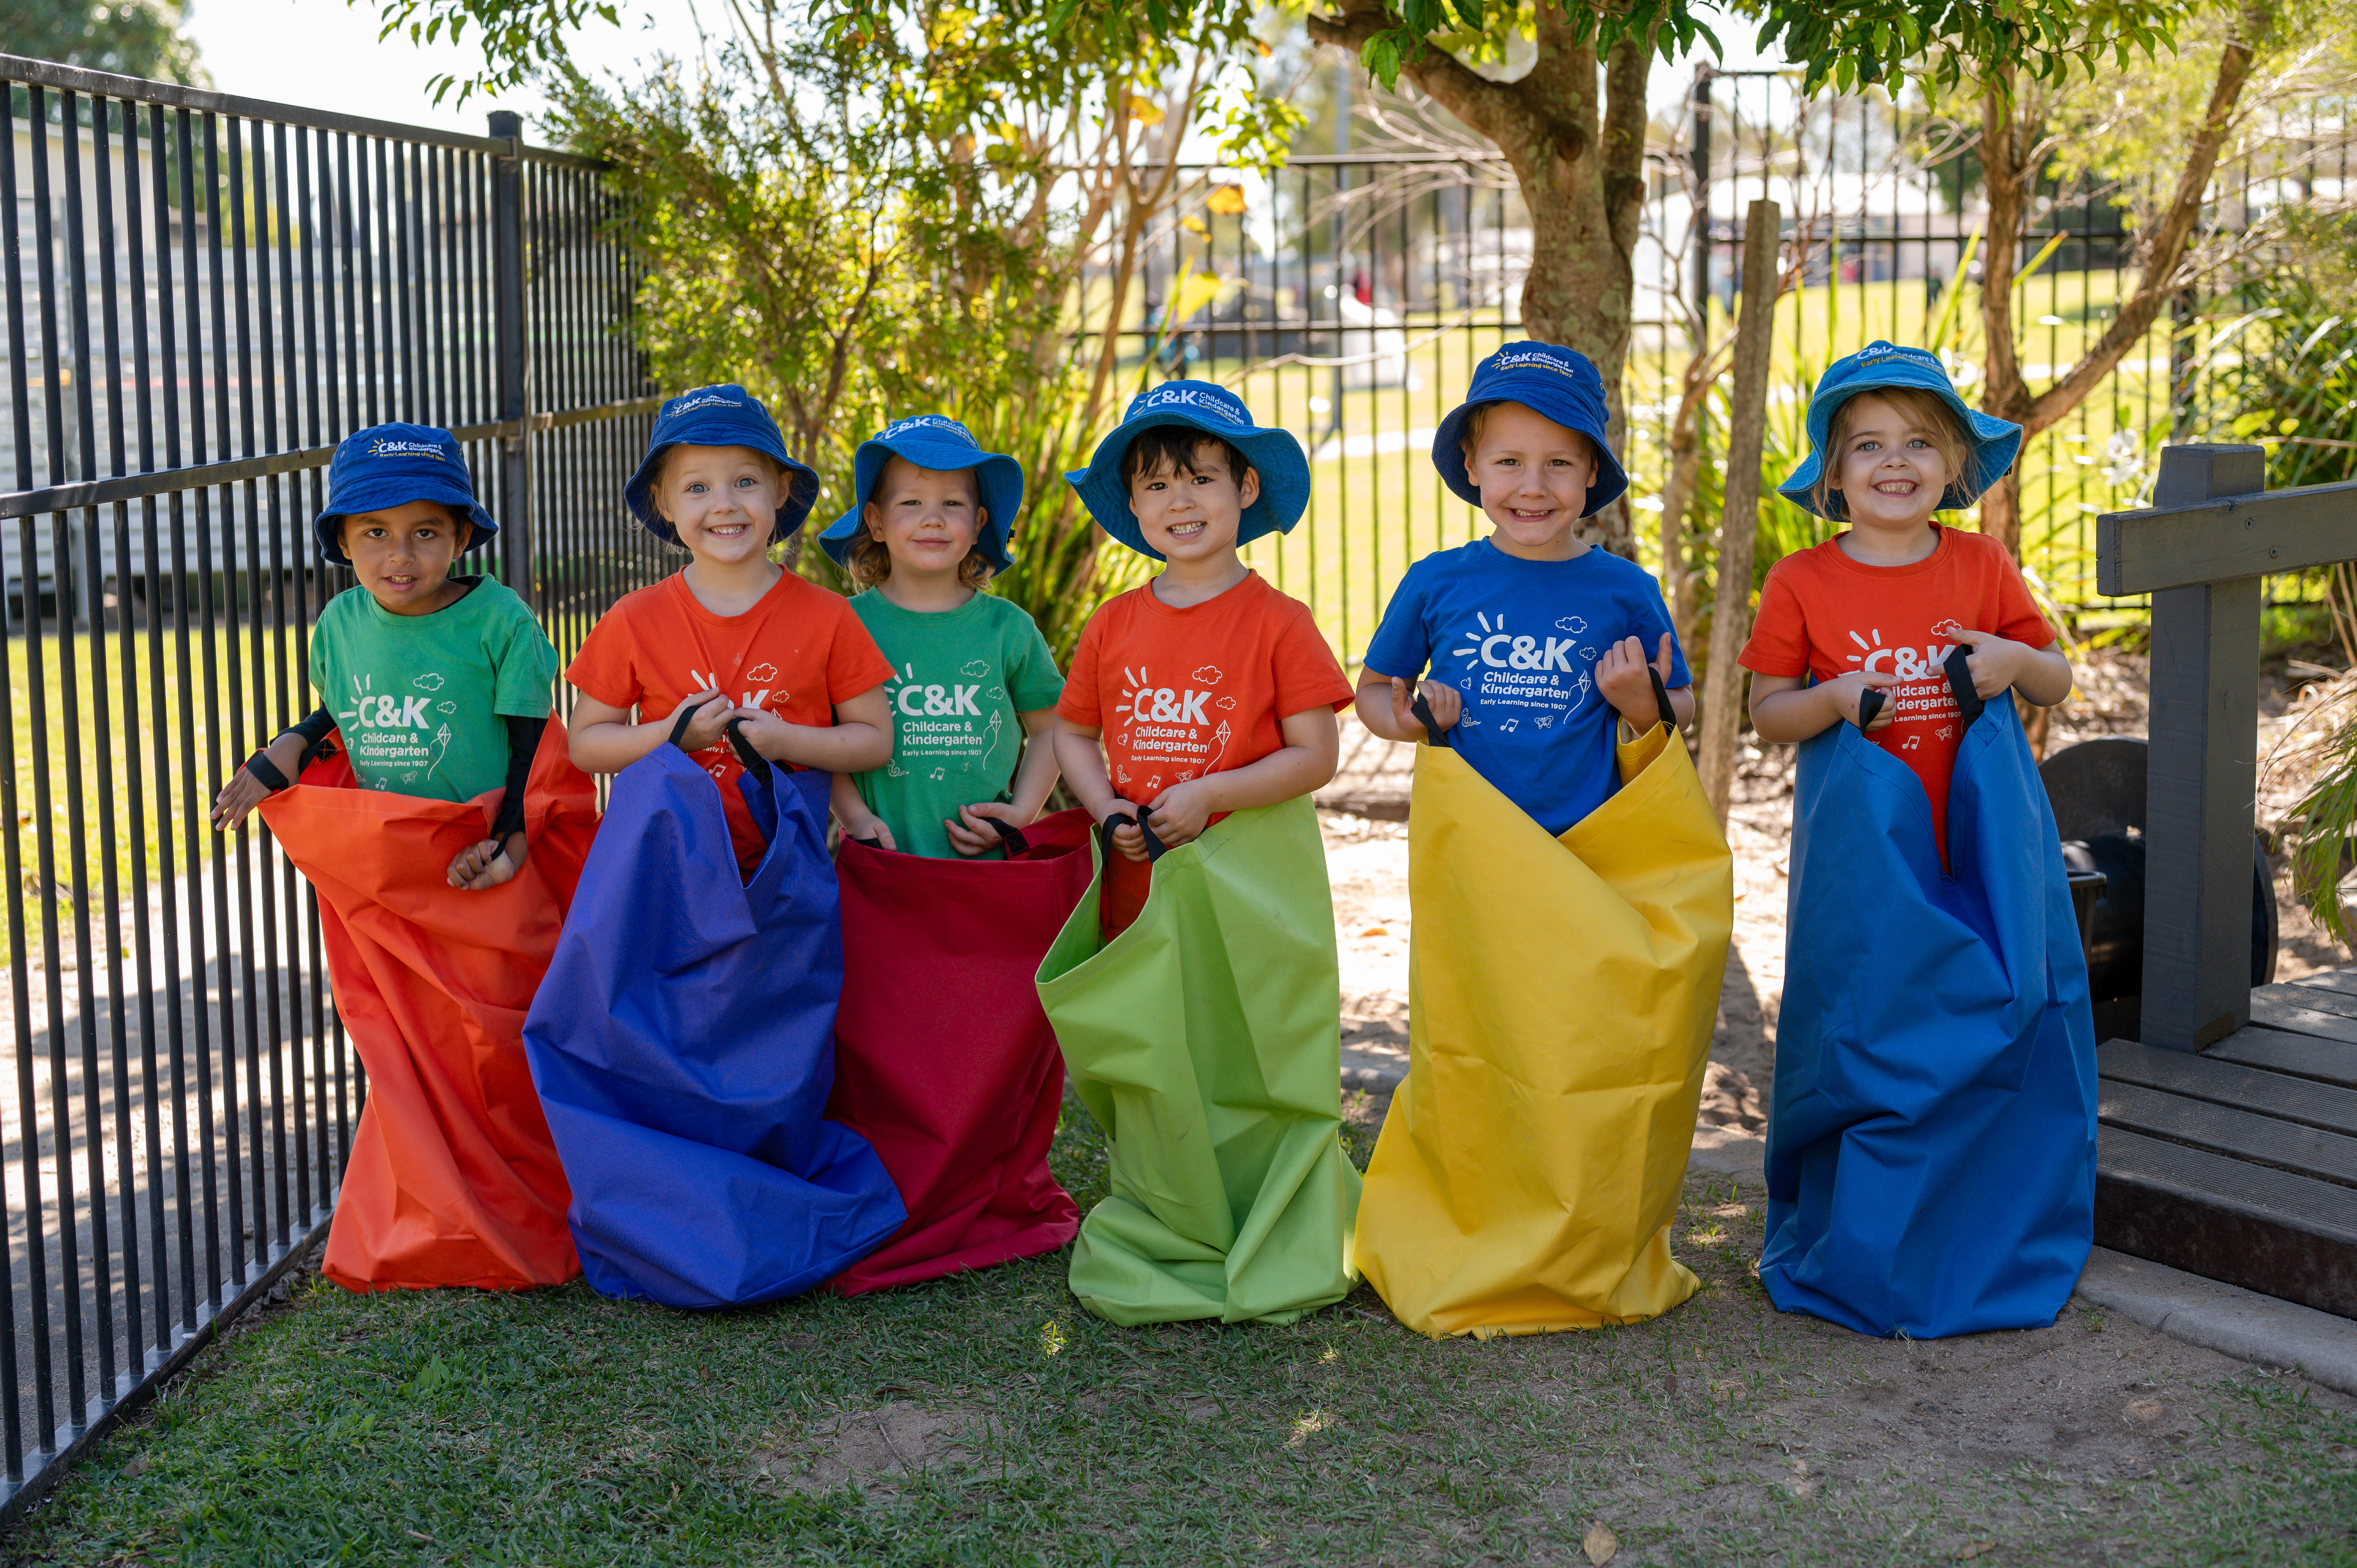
x=973 y=679
x=439 y=684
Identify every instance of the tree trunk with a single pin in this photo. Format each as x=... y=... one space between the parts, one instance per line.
x=1578 y=152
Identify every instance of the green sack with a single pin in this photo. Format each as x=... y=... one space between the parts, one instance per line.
x=1206 y=1040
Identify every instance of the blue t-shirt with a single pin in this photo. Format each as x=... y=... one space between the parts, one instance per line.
x=1519 y=640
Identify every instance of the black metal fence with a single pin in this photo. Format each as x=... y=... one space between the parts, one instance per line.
x=202 y=295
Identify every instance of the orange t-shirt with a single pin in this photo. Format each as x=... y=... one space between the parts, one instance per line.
x=798 y=652
x=1182 y=692
x=1822 y=613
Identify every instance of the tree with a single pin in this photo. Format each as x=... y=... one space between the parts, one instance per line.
x=132 y=38
x=2152 y=141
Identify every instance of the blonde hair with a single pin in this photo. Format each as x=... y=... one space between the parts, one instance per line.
x=1927 y=411
x=870 y=561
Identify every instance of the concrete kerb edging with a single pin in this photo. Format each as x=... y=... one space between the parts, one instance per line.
x=2216 y=1317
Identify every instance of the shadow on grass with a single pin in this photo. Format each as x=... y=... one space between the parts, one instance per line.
x=986 y=1419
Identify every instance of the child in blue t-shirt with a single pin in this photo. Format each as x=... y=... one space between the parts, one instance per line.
x=1535 y=640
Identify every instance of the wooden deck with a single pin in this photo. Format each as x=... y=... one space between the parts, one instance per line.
x=2239 y=1163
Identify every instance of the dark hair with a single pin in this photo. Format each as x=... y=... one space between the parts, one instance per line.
x=1178 y=448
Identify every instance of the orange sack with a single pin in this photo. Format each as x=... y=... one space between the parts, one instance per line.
x=452 y=1178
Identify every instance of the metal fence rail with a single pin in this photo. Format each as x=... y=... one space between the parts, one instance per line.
x=204 y=294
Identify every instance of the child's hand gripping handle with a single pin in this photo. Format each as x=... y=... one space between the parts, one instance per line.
x=754 y=762
x=1869 y=704
x=1154 y=847
x=1959 y=669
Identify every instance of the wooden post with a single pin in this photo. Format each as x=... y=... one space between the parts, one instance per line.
x=1739 y=519
x=2202 y=773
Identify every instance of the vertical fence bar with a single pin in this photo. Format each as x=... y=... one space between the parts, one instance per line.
x=509 y=330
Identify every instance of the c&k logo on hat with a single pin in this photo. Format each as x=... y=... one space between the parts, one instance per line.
x=381 y=447
x=688 y=402
x=1212 y=402
x=1516 y=360
x=926 y=422
x=1874 y=351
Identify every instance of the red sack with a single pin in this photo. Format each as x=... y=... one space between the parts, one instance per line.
x=942 y=1058
x=452 y=1178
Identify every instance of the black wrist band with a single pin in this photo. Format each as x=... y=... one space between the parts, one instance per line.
x=262 y=767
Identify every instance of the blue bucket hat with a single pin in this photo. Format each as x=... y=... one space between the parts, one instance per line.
x=930 y=441
x=1557 y=384
x=724 y=415
x=1996 y=442
x=1275 y=454
x=390 y=466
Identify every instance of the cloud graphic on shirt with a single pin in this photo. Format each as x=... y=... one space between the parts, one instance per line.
x=1571 y=624
x=762 y=673
x=428 y=683
x=1586 y=651
x=976 y=668
x=1209 y=674
x=446 y=706
x=997 y=693
x=1225 y=702
x=1948 y=628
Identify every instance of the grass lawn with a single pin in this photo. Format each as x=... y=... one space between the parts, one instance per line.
x=986 y=1419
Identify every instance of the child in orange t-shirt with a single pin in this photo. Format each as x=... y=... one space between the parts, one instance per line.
x=1881 y=606
x=733 y=636
x=1931 y=1139
x=1206 y=691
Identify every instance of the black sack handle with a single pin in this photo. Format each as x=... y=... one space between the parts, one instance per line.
x=1662 y=700
x=1960 y=686
x=1958 y=668
x=1012 y=837
x=1423 y=711
x=753 y=761
x=1155 y=848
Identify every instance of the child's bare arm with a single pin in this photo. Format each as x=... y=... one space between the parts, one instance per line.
x=859 y=741
x=602 y=739
x=1386 y=704
x=1081 y=758
x=1035 y=780
x=1306 y=762
x=851 y=811
x=1787 y=708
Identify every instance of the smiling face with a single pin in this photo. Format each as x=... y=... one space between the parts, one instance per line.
x=928 y=519
x=1533 y=476
x=723 y=500
x=1192 y=512
x=1893 y=457
x=402 y=555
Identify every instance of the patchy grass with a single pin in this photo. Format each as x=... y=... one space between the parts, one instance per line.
x=986 y=1419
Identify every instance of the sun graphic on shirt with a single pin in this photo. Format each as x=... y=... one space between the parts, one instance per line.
x=1136 y=695
x=1867 y=647
x=1471 y=651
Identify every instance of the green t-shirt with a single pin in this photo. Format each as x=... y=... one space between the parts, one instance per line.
x=421 y=699
x=959 y=679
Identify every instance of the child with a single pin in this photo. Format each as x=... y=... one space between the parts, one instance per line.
x=973 y=681
x=1532 y=635
x=1931 y=1148
x=1198 y=1001
x=1572 y=897
x=437 y=931
x=734 y=638
x=954 y=1076
x=685 y=1042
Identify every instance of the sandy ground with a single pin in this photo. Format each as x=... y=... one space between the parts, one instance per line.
x=1366 y=852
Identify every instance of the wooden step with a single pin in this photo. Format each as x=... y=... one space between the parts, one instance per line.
x=2252 y=1225
x=2204 y=1078
x=2302 y=1056
x=2302 y=1010
x=2223 y=1130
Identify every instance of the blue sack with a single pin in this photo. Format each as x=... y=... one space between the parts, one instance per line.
x=1932 y=1140
x=684 y=1045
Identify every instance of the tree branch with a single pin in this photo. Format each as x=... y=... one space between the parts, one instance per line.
x=1499 y=111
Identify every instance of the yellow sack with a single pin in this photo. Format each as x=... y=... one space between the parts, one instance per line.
x=1561 y=994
